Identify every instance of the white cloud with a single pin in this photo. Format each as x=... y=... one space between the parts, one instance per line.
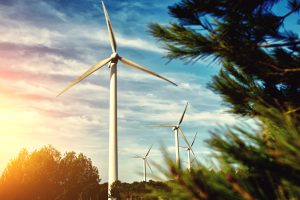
x=137 y=43
x=78 y=120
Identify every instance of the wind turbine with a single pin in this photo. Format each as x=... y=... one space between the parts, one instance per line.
x=188 y=150
x=145 y=161
x=112 y=61
x=194 y=160
x=175 y=128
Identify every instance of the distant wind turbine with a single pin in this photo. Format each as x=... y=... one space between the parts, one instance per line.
x=194 y=160
x=112 y=63
x=175 y=128
x=188 y=150
x=145 y=161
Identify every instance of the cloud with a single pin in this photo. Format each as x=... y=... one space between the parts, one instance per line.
x=47 y=44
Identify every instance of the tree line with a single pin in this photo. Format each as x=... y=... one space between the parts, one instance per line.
x=46 y=174
x=259 y=78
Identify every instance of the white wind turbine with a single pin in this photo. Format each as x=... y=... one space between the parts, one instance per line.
x=188 y=150
x=194 y=160
x=175 y=128
x=112 y=63
x=145 y=161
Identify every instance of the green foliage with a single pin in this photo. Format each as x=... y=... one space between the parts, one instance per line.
x=270 y=156
x=248 y=39
x=45 y=174
x=253 y=164
x=259 y=78
x=200 y=183
x=137 y=190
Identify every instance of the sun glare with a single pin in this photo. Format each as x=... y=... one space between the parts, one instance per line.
x=15 y=126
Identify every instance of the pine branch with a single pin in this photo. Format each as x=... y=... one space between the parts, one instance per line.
x=238 y=188
x=281 y=70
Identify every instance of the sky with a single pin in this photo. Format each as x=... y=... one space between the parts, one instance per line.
x=44 y=45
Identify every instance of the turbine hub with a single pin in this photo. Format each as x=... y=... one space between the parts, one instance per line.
x=114 y=60
x=114 y=55
x=175 y=128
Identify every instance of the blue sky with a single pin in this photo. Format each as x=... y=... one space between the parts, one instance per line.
x=47 y=44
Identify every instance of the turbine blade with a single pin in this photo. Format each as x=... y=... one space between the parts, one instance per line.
x=148 y=165
x=181 y=119
x=86 y=74
x=164 y=125
x=148 y=151
x=186 y=140
x=136 y=156
x=110 y=31
x=139 y=67
x=194 y=139
x=194 y=160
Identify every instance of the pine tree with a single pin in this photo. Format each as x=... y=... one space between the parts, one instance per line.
x=259 y=57
x=259 y=78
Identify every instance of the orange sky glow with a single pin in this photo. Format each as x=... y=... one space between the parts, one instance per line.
x=44 y=45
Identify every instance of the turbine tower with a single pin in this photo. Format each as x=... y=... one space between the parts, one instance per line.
x=175 y=128
x=188 y=150
x=112 y=63
x=194 y=160
x=145 y=161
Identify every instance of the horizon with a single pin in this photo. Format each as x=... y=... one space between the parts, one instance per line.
x=46 y=45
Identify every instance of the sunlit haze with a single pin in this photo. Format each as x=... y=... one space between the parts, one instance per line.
x=44 y=45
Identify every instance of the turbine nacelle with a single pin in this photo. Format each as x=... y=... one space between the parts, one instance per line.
x=175 y=128
x=145 y=159
x=114 y=55
x=114 y=59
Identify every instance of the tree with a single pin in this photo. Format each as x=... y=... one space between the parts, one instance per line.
x=137 y=190
x=259 y=78
x=259 y=57
x=45 y=174
x=250 y=167
x=80 y=177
